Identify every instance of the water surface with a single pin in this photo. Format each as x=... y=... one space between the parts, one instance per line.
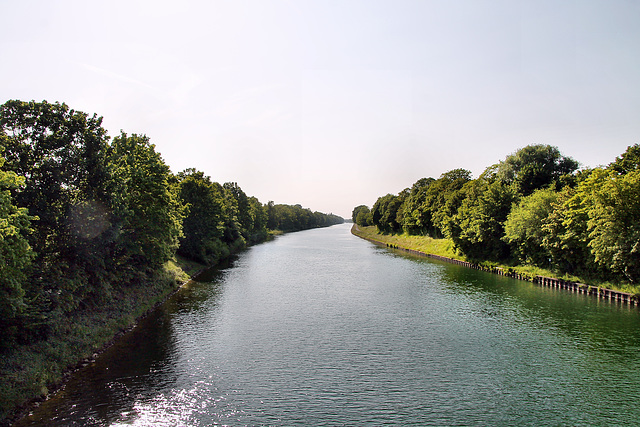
x=322 y=328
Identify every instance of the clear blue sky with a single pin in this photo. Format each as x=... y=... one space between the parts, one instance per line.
x=331 y=104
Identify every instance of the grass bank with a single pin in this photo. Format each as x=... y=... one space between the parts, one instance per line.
x=28 y=373
x=424 y=244
x=444 y=247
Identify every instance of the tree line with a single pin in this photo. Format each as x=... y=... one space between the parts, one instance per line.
x=535 y=207
x=84 y=217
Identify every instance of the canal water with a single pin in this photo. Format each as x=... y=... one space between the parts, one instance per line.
x=322 y=328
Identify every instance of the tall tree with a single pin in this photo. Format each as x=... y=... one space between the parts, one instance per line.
x=203 y=224
x=15 y=252
x=627 y=162
x=385 y=212
x=61 y=153
x=614 y=221
x=152 y=214
x=361 y=215
x=242 y=204
x=479 y=222
x=565 y=235
x=534 y=167
x=259 y=219
x=524 y=229
x=417 y=219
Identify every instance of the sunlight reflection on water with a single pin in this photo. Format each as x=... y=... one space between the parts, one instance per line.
x=322 y=328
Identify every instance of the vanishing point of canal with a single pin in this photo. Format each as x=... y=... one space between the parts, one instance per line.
x=322 y=328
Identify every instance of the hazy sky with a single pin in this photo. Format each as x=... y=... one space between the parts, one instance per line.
x=332 y=104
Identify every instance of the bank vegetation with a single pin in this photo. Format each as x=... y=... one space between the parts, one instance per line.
x=535 y=211
x=95 y=231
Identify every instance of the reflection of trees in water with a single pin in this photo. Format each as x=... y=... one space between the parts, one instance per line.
x=601 y=325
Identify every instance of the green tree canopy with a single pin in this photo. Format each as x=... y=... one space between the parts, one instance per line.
x=524 y=227
x=614 y=221
x=534 y=207
x=384 y=213
x=357 y=210
x=479 y=222
x=629 y=161
x=295 y=218
x=249 y=213
x=15 y=252
x=534 y=167
x=416 y=218
x=151 y=213
x=61 y=153
x=203 y=225
x=361 y=215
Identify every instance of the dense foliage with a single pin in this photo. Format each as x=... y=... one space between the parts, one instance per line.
x=295 y=218
x=85 y=219
x=535 y=207
x=15 y=252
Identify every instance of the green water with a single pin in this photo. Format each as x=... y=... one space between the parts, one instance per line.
x=323 y=328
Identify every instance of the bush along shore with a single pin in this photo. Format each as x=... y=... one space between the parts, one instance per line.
x=535 y=212
x=96 y=231
x=432 y=248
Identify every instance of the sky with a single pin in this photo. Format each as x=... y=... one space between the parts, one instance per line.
x=332 y=104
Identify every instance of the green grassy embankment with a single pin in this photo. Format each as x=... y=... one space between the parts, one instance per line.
x=444 y=247
x=30 y=372
x=424 y=244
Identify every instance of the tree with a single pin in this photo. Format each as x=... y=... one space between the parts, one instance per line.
x=416 y=219
x=295 y=218
x=629 y=161
x=565 y=236
x=524 y=227
x=242 y=208
x=61 y=153
x=232 y=227
x=151 y=214
x=15 y=252
x=203 y=223
x=430 y=203
x=385 y=210
x=614 y=221
x=534 y=167
x=361 y=215
x=259 y=219
x=478 y=226
x=447 y=200
x=272 y=219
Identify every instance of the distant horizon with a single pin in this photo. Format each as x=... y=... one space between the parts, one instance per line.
x=331 y=104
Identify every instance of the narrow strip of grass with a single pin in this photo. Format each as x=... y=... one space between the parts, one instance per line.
x=444 y=247
x=424 y=244
x=274 y=233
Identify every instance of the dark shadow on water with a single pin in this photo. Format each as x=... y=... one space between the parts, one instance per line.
x=135 y=369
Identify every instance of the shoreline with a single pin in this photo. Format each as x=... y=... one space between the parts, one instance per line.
x=22 y=411
x=189 y=270
x=595 y=291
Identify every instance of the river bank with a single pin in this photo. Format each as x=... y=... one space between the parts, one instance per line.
x=323 y=328
x=31 y=373
x=442 y=249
